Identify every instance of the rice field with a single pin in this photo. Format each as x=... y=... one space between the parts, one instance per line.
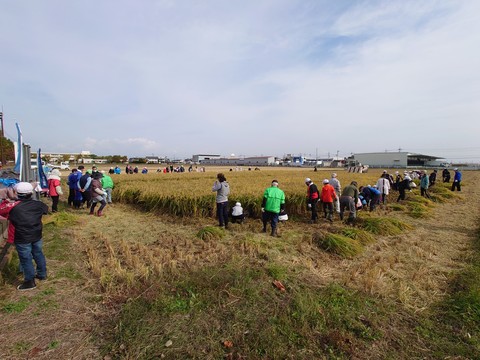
x=190 y=194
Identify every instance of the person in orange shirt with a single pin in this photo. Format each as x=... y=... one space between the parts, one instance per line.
x=327 y=197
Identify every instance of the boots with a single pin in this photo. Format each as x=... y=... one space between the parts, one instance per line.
x=27 y=285
x=274 y=233
x=99 y=213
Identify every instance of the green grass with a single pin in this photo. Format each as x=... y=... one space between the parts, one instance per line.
x=16 y=306
x=343 y=246
x=237 y=302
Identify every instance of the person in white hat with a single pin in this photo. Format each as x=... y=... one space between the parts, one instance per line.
x=25 y=216
x=328 y=196
x=338 y=191
x=312 y=198
x=237 y=213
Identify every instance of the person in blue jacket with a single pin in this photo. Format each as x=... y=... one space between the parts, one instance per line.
x=457 y=178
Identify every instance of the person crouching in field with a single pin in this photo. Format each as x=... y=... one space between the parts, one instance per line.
x=223 y=190
x=237 y=213
x=349 y=199
x=25 y=231
x=98 y=194
x=272 y=204
x=312 y=199
x=327 y=197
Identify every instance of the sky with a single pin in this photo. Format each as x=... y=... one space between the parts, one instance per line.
x=269 y=77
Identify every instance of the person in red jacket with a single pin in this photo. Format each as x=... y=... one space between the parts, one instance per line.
x=54 y=188
x=312 y=199
x=327 y=196
x=25 y=231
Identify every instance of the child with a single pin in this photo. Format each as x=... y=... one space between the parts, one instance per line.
x=237 y=213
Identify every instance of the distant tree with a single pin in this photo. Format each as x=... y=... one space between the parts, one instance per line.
x=65 y=157
x=8 y=149
x=124 y=159
x=116 y=159
x=78 y=159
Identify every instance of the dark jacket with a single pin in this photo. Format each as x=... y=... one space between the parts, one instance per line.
x=25 y=218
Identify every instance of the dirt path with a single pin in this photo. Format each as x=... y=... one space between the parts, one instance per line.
x=56 y=320
x=413 y=268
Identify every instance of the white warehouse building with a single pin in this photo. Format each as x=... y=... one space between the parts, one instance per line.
x=394 y=160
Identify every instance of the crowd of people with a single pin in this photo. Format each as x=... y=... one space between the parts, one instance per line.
x=331 y=198
x=89 y=188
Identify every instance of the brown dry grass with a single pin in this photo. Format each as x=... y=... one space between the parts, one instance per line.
x=120 y=254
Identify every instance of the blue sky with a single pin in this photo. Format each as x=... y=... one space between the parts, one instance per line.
x=271 y=77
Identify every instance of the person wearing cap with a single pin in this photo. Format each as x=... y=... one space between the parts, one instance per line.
x=327 y=197
x=222 y=188
x=383 y=185
x=98 y=195
x=25 y=223
x=54 y=188
x=403 y=186
x=273 y=203
x=237 y=213
x=457 y=179
x=349 y=199
x=312 y=198
x=338 y=191
x=107 y=184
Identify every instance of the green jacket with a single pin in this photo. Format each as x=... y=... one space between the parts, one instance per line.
x=273 y=199
x=107 y=182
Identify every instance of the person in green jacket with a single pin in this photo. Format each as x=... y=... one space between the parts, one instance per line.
x=107 y=184
x=272 y=204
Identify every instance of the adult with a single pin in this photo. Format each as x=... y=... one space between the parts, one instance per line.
x=398 y=179
x=371 y=195
x=424 y=183
x=327 y=196
x=107 y=184
x=432 y=178
x=273 y=203
x=403 y=186
x=338 y=191
x=72 y=180
x=457 y=179
x=222 y=188
x=111 y=171
x=25 y=223
x=54 y=188
x=312 y=199
x=349 y=199
x=84 y=184
x=383 y=185
x=446 y=175
x=97 y=194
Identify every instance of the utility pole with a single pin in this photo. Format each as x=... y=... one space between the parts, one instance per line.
x=2 y=154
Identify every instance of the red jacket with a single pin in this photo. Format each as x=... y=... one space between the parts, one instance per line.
x=52 y=187
x=328 y=193
x=312 y=192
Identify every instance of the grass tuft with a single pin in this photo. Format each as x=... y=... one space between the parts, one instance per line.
x=383 y=225
x=338 y=244
x=210 y=233
x=364 y=237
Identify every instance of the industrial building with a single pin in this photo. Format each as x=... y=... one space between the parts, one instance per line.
x=237 y=161
x=394 y=160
